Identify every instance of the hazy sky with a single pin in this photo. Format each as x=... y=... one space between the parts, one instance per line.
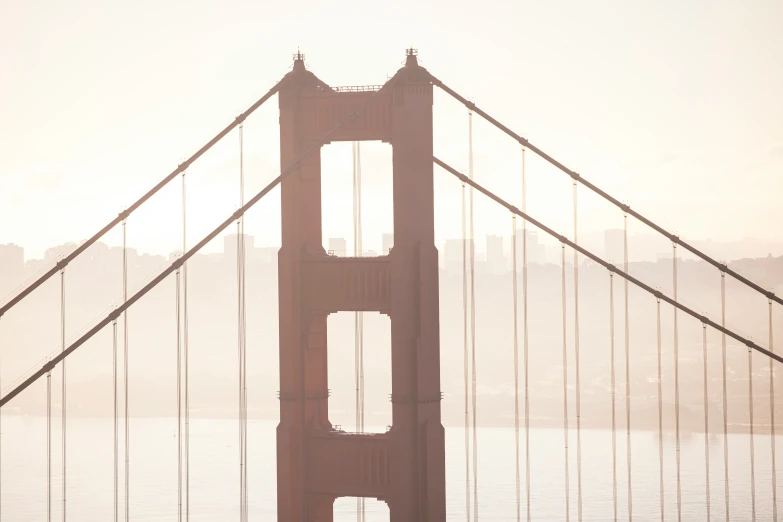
x=674 y=107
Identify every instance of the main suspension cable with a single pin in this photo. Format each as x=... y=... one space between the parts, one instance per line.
x=136 y=204
x=185 y=351
x=473 y=320
x=576 y=363
x=63 y=399
x=772 y=419
x=706 y=422
x=565 y=379
x=660 y=410
x=547 y=230
x=525 y=341
x=516 y=358
x=725 y=400
x=627 y=369
x=676 y=382
x=577 y=177
x=466 y=360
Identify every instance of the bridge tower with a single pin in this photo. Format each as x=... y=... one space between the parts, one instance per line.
x=404 y=467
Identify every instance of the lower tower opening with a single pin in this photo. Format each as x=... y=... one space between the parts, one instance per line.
x=345 y=509
x=341 y=354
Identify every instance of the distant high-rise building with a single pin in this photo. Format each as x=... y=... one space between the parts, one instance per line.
x=266 y=254
x=536 y=252
x=54 y=253
x=614 y=241
x=11 y=258
x=230 y=243
x=338 y=246
x=388 y=243
x=495 y=258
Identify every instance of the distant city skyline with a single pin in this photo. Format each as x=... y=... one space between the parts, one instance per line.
x=93 y=287
x=541 y=247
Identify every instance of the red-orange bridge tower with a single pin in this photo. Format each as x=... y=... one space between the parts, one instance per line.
x=405 y=467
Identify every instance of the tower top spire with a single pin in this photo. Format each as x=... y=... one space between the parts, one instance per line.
x=298 y=60
x=410 y=56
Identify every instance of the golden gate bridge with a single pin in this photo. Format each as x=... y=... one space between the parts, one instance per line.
x=318 y=462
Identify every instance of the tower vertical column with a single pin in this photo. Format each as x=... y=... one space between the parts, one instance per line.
x=303 y=370
x=418 y=435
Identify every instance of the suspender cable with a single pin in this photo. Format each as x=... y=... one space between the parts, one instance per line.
x=725 y=401
x=660 y=410
x=356 y=322
x=185 y=352
x=361 y=314
x=627 y=369
x=466 y=360
x=752 y=448
x=772 y=421
x=473 y=319
x=242 y=337
x=244 y=322
x=49 y=446
x=116 y=423
x=706 y=421
x=614 y=408
x=179 y=399
x=358 y=316
x=63 y=410
x=576 y=362
x=516 y=357
x=125 y=366
x=565 y=379
x=525 y=341
x=240 y=384
x=676 y=383
x=1 y=441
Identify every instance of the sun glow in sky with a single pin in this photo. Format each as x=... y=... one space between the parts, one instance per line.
x=674 y=107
